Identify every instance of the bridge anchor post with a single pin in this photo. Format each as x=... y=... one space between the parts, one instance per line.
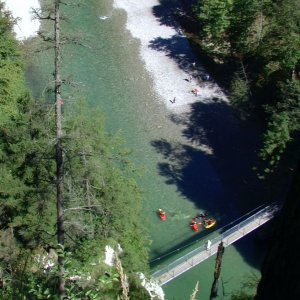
x=214 y=288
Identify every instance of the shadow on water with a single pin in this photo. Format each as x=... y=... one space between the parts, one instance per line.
x=229 y=153
x=214 y=170
x=188 y=169
x=234 y=144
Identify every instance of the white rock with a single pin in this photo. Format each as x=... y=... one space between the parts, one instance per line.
x=109 y=255
x=153 y=288
x=163 y=49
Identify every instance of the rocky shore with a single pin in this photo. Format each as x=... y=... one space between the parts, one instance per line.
x=179 y=79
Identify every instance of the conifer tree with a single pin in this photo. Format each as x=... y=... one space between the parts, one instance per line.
x=102 y=202
x=214 y=18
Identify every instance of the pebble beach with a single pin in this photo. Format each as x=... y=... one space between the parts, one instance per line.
x=168 y=58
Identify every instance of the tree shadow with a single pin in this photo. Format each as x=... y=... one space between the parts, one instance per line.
x=223 y=149
x=178 y=49
x=168 y=12
x=189 y=169
x=234 y=144
x=177 y=14
x=214 y=169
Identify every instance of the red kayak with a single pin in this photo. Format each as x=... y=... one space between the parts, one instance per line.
x=162 y=215
x=194 y=226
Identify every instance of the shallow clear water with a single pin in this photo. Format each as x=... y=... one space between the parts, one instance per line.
x=175 y=175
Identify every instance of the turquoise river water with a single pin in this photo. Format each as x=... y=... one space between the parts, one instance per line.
x=174 y=175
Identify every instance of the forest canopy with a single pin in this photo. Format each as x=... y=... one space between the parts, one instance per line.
x=259 y=41
x=102 y=203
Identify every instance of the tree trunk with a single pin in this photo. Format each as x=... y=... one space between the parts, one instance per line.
x=59 y=154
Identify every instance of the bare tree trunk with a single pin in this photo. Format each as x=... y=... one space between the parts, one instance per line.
x=59 y=154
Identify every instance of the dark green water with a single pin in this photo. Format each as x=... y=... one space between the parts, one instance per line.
x=174 y=175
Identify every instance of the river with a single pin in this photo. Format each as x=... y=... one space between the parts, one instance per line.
x=175 y=174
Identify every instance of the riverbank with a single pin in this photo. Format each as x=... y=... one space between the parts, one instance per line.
x=177 y=75
x=26 y=26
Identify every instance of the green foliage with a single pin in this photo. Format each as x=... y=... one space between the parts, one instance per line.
x=289 y=102
x=6 y=20
x=102 y=201
x=99 y=180
x=12 y=87
x=226 y=26
x=281 y=42
x=25 y=171
x=275 y=140
x=32 y=280
x=242 y=16
x=264 y=35
x=242 y=296
x=214 y=19
x=284 y=122
x=26 y=196
x=239 y=95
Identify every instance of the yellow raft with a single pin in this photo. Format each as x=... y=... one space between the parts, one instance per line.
x=209 y=223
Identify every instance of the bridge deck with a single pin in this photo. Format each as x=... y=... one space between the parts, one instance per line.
x=200 y=254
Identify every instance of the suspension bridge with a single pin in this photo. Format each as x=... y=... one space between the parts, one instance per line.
x=228 y=237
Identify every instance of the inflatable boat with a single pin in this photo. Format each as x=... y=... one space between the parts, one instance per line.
x=209 y=223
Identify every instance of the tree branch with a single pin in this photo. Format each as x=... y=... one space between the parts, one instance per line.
x=37 y=14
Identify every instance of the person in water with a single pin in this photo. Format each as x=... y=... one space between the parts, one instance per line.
x=209 y=221
x=194 y=225
x=202 y=216
x=195 y=91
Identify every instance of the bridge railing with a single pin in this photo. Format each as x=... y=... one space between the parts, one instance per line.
x=267 y=212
